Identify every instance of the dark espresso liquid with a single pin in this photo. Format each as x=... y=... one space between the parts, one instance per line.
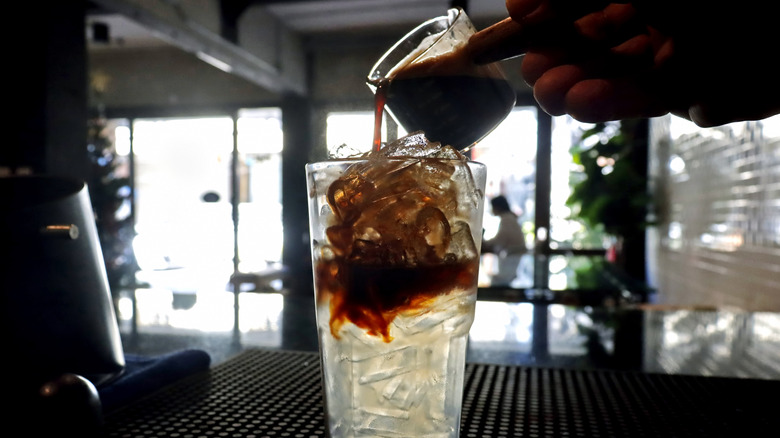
x=453 y=110
x=450 y=98
x=372 y=296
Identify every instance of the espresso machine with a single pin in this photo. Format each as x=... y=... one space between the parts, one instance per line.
x=56 y=310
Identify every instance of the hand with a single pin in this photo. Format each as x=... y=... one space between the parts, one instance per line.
x=600 y=61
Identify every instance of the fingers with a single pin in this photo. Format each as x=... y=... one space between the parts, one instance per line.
x=608 y=37
x=534 y=24
x=566 y=89
x=749 y=104
x=500 y=41
x=633 y=54
x=520 y=8
x=513 y=37
x=600 y=100
x=614 y=23
x=537 y=63
x=591 y=81
x=597 y=60
x=530 y=10
x=630 y=57
x=551 y=89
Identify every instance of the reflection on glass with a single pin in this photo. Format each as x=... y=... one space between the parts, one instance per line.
x=720 y=206
x=677 y=167
x=713 y=343
x=577 y=272
x=556 y=334
x=502 y=326
x=565 y=334
x=159 y=311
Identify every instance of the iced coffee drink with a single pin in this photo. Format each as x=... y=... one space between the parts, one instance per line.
x=395 y=244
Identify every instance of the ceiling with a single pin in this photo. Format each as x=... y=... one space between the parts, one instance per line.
x=335 y=15
x=306 y=17
x=197 y=26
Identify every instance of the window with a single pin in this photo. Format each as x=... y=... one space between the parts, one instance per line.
x=572 y=264
x=352 y=132
x=567 y=232
x=509 y=152
x=259 y=171
x=182 y=186
x=189 y=182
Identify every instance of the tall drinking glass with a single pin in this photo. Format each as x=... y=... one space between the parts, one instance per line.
x=429 y=82
x=395 y=247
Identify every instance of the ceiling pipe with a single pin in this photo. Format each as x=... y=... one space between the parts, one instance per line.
x=167 y=21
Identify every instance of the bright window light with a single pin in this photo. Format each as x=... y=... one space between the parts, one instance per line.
x=122 y=140
x=260 y=131
x=355 y=130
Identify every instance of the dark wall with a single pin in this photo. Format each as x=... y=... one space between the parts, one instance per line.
x=46 y=77
x=297 y=122
x=167 y=78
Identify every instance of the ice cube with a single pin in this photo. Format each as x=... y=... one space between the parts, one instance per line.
x=404 y=392
x=387 y=365
x=348 y=194
x=447 y=153
x=462 y=245
x=417 y=145
x=325 y=252
x=374 y=414
x=380 y=424
x=344 y=151
x=433 y=229
x=471 y=197
x=413 y=145
x=364 y=347
x=411 y=323
x=383 y=374
x=438 y=173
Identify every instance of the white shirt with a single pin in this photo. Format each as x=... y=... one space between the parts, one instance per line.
x=509 y=239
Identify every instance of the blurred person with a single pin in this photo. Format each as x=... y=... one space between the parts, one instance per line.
x=508 y=244
x=598 y=61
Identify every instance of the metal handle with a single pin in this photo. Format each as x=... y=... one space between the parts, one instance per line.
x=61 y=231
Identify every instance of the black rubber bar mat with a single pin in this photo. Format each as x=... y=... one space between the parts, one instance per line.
x=265 y=393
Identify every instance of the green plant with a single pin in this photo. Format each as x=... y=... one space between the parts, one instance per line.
x=612 y=189
x=110 y=194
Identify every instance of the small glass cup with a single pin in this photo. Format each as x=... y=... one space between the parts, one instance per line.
x=430 y=83
x=395 y=280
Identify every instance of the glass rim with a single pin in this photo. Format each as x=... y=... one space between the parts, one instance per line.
x=452 y=17
x=353 y=160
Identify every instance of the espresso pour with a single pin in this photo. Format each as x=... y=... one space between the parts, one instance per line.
x=436 y=87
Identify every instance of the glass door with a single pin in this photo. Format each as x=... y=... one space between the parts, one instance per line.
x=509 y=152
x=259 y=188
x=576 y=249
x=183 y=219
x=204 y=201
